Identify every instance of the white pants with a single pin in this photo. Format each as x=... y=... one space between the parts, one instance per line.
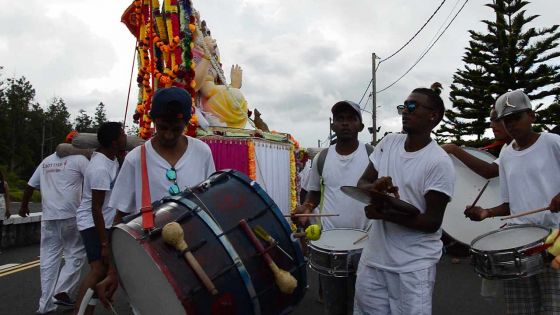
x=380 y=292
x=59 y=237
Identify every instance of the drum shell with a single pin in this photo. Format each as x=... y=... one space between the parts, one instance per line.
x=225 y=198
x=512 y=263
x=334 y=263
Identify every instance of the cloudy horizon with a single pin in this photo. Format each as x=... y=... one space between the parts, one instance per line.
x=298 y=57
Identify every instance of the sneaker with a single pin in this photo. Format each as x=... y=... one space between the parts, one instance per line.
x=63 y=299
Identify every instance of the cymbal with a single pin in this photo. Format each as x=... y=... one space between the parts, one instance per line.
x=369 y=197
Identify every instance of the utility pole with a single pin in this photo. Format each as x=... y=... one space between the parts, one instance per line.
x=318 y=143
x=373 y=99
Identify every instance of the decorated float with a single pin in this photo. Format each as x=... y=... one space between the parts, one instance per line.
x=175 y=48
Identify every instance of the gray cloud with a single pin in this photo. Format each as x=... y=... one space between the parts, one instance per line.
x=299 y=57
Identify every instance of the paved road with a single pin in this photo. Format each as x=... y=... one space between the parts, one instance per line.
x=456 y=292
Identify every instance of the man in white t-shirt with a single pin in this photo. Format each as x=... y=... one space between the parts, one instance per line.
x=94 y=216
x=174 y=162
x=344 y=163
x=396 y=274
x=529 y=170
x=60 y=181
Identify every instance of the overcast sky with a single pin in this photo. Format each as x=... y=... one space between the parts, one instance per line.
x=299 y=56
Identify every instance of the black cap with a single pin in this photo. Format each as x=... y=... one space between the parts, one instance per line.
x=348 y=104
x=171 y=102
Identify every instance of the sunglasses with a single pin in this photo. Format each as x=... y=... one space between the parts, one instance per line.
x=410 y=106
x=171 y=175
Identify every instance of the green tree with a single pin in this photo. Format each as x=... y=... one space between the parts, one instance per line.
x=100 y=115
x=509 y=55
x=57 y=124
x=83 y=122
x=19 y=97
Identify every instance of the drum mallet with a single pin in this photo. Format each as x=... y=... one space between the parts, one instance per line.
x=479 y=194
x=173 y=235
x=285 y=281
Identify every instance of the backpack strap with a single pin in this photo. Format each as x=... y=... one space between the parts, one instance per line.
x=321 y=161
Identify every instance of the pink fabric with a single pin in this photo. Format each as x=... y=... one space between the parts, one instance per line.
x=229 y=154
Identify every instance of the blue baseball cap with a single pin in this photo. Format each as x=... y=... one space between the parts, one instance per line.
x=171 y=102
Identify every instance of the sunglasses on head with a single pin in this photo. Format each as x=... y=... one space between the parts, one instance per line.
x=410 y=106
x=171 y=175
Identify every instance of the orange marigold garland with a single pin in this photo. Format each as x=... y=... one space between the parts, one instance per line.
x=252 y=161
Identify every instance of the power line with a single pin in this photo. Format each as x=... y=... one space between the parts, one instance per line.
x=418 y=32
x=427 y=50
x=370 y=82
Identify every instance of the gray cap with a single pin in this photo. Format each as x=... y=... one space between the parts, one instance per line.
x=348 y=104
x=512 y=102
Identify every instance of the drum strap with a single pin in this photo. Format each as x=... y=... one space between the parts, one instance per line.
x=146 y=210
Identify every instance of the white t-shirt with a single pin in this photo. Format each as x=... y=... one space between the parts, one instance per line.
x=304 y=175
x=193 y=167
x=340 y=170
x=394 y=247
x=101 y=174
x=60 y=181
x=530 y=178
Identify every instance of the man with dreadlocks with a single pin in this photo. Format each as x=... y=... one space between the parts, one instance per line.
x=397 y=270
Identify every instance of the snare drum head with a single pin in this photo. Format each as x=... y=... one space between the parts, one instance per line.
x=510 y=238
x=340 y=240
x=467 y=186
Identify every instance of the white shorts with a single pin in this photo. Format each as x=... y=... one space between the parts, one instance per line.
x=382 y=292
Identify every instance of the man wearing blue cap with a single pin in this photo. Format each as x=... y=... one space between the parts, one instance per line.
x=341 y=164
x=174 y=161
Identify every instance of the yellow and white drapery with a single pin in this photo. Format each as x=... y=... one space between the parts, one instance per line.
x=273 y=171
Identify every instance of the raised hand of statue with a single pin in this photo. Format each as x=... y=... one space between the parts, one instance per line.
x=236 y=76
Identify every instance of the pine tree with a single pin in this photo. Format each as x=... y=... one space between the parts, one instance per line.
x=509 y=55
x=100 y=115
x=83 y=122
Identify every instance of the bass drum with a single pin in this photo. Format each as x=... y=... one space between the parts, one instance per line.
x=467 y=186
x=157 y=278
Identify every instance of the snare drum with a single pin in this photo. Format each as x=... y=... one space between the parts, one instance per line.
x=157 y=278
x=513 y=252
x=335 y=253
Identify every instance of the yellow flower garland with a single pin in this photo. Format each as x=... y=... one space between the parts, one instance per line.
x=293 y=192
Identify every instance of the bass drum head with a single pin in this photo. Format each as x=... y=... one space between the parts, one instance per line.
x=136 y=271
x=467 y=186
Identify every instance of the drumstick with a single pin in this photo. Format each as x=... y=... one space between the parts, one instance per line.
x=524 y=213
x=363 y=237
x=172 y=234
x=285 y=281
x=311 y=215
x=479 y=194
